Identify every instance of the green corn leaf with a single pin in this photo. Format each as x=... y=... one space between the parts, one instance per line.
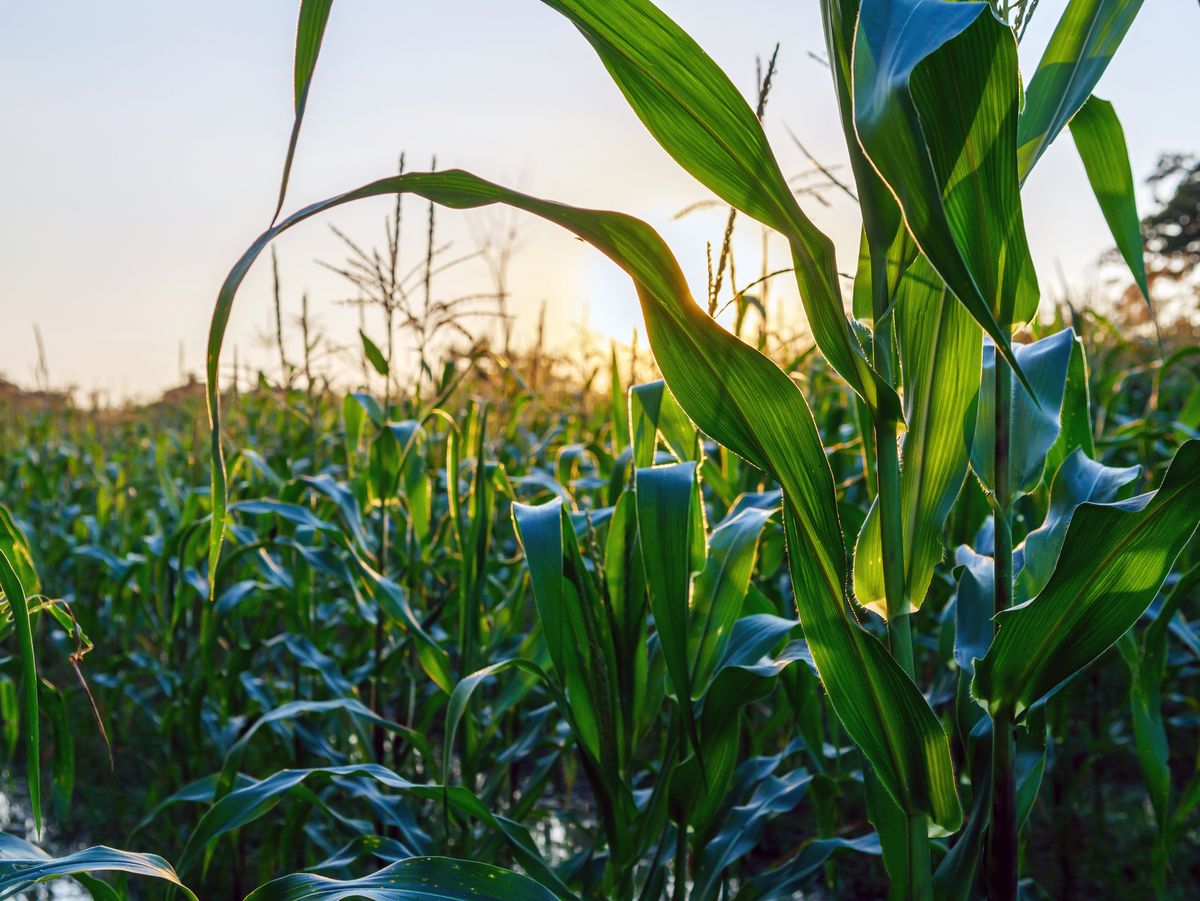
x=694 y=111
x=884 y=236
x=374 y=354
x=719 y=590
x=1035 y=415
x=974 y=606
x=1148 y=670
x=356 y=710
x=541 y=530
x=745 y=402
x=15 y=545
x=940 y=351
x=702 y=795
x=23 y=866
x=666 y=519
x=250 y=802
x=1079 y=51
x=653 y=411
x=1100 y=141
x=1079 y=480
x=413 y=879
x=936 y=94
x=310 y=31
x=742 y=829
x=785 y=881
x=1076 y=429
x=18 y=606
x=1113 y=561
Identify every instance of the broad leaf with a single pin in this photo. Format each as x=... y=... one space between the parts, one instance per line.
x=22 y=865
x=1035 y=419
x=936 y=94
x=719 y=590
x=667 y=530
x=414 y=879
x=1079 y=480
x=1100 y=141
x=1113 y=561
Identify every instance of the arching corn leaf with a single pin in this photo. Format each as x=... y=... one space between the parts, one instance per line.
x=1113 y=561
x=22 y=865
x=1079 y=51
x=694 y=111
x=15 y=545
x=414 y=879
x=936 y=94
x=1079 y=480
x=250 y=802
x=745 y=402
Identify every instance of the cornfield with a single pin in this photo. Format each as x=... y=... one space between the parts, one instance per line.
x=903 y=614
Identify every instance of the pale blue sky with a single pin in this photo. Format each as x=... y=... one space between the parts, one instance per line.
x=143 y=140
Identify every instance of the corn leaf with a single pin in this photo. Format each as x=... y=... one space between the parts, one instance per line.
x=310 y=31
x=936 y=95
x=1079 y=51
x=719 y=590
x=1076 y=416
x=940 y=352
x=702 y=794
x=885 y=239
x=542 y=530
x=1035 y=415
x=745 y=402
x=413 y=879
x=1100 y=141
x=667 y=523
x=374 y=354
x=14 y=593
x=250 y=802
x=1113 y=561
x=1079 y=480
x=694 y=111
x=654 y=412
x=22 y=865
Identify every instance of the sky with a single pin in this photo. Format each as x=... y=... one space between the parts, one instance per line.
x=143 y=141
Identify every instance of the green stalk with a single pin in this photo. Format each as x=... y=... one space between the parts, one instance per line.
x=1002 y=836
x=919 y=883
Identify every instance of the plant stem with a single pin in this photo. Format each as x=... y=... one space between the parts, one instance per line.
x=1002 y=836
x=679 y=890
x=891 y=532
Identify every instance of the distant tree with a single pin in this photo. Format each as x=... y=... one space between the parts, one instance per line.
x=1173 y=232
x=1172 y=253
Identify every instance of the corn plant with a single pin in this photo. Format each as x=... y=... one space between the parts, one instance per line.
x=707 y=627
